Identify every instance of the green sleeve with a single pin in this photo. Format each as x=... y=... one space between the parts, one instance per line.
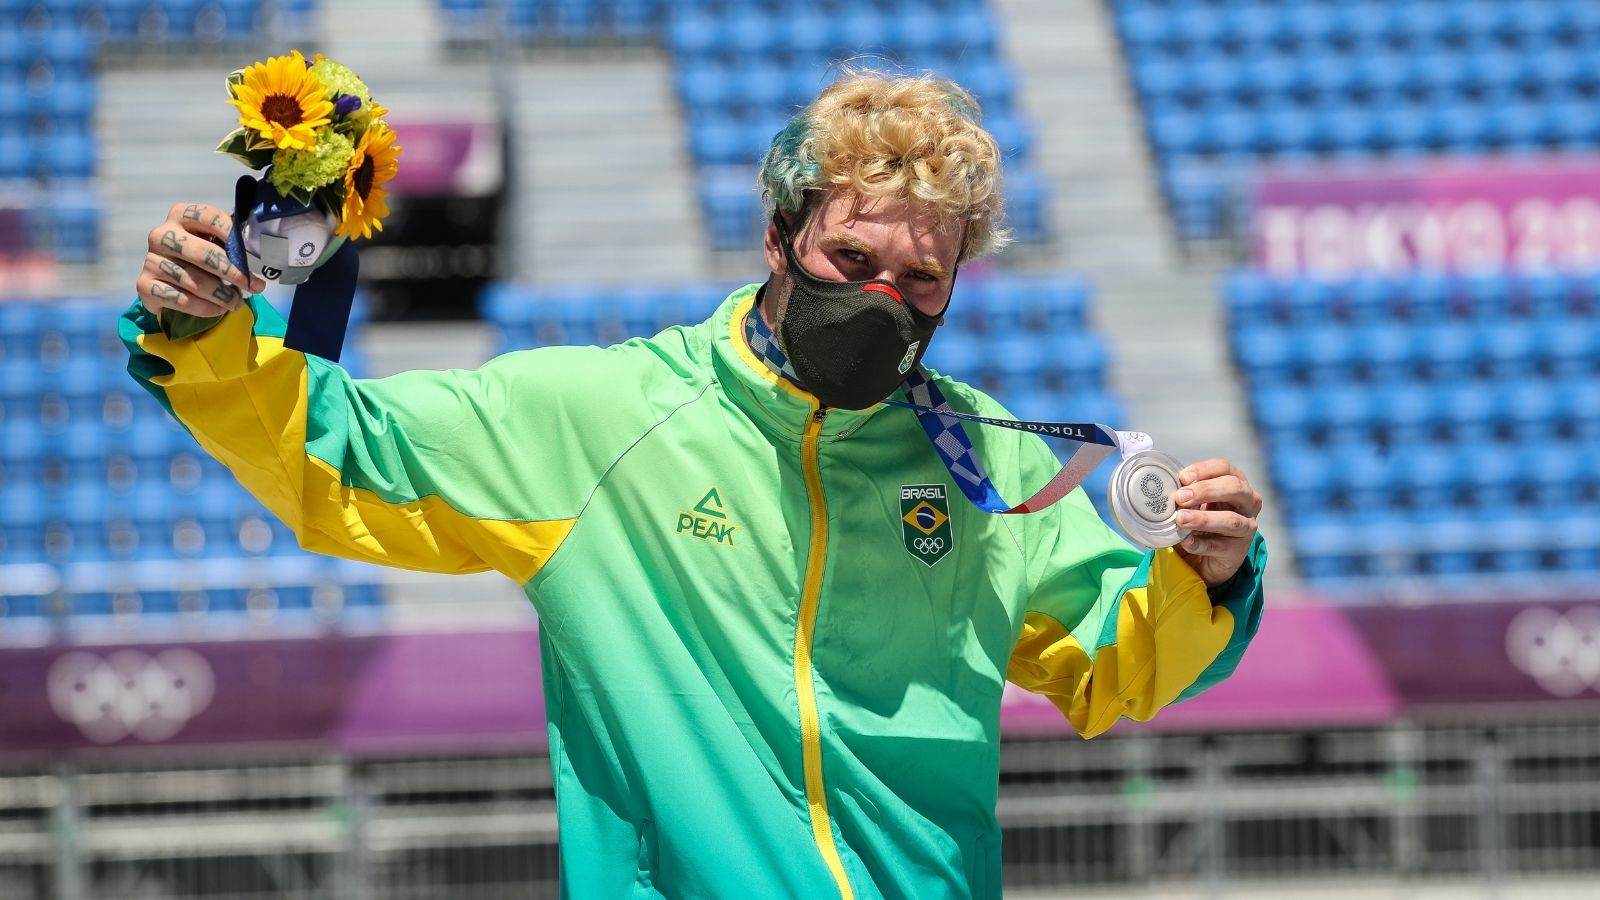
x=448 y=471
x=1111 y=631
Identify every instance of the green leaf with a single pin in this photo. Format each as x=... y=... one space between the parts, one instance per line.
x=233 y=142
x=238 y=145
x=176 y=325
x=258 y=141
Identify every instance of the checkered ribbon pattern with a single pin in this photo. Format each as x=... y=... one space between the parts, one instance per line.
x=760 y=339
x=943 y=427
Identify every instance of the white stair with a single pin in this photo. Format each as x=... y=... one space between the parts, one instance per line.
x=605 y=188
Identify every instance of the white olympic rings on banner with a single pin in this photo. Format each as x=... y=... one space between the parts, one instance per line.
x=130 y=692
x=928 y=544
x=1559 y=650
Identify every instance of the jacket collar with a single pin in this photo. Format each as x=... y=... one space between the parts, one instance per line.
x=757 y=388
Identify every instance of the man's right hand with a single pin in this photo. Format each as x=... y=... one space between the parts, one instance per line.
x=187 y=269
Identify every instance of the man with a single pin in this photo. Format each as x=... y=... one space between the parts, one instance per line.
x=759 y=683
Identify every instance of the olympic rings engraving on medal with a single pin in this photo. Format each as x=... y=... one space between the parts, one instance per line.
x=1154 y=489
x=130 y=692
x=928 y=544
x=1141 y=501
x=1561 y=651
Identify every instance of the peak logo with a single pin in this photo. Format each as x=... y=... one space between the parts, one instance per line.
x=708 y=521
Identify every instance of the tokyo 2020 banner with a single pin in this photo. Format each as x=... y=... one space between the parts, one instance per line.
x=1452 y=216
x=1311 y=666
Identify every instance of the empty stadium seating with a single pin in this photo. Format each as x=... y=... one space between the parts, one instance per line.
x=103 y=496
x=49 y=50
x=745 y=66
x=1227 y=85
x=181 y=21
x=583 y=20
x=47 y=155
x=1429 y=425
x=991 y=338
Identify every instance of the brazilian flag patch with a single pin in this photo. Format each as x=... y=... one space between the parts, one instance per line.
x=925 y=522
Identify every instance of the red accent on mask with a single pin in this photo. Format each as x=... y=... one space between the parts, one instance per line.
x=889 y=289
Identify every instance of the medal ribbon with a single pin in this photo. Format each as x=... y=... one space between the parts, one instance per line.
x=943 y=427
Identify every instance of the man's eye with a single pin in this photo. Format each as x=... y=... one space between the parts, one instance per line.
x=923 y=276
x=855 y=256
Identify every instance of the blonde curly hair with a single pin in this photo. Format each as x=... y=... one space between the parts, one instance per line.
x=901 y=137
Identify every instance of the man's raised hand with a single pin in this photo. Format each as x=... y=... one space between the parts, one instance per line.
x=187 y=269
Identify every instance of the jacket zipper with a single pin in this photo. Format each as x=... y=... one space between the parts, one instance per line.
x=810 y=596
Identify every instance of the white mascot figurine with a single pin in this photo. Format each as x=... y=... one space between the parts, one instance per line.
x=286 y=250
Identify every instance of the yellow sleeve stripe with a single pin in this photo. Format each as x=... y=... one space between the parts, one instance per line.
x=1167 y=633
x=256 y=426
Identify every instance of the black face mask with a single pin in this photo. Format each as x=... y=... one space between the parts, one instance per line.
x=851 y=342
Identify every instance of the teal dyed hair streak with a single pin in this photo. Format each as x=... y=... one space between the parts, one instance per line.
x=788 y=170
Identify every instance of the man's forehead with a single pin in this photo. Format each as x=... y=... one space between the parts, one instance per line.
x=848 y=209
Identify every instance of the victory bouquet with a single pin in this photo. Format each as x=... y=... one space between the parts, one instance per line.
x=325 y=152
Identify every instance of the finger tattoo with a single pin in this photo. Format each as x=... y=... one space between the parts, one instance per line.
x=216 y=221
x=192 y=212
x=163 y=291
x=226 y=293
x=217 y=262
x=171 y=269
x=171 y=241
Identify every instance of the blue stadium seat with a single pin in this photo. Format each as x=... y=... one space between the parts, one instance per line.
x=705 y=85
x=1451 y=351
x=1029 y=199
x=15 y=156
x=1385 y=351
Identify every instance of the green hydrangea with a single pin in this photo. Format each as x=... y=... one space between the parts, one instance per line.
x=309 y=170
x=338 y=80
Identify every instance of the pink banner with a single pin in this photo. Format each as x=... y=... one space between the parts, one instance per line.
x=459 y=691
x=447 y=158
x=1311 y=666
x=1527 y=213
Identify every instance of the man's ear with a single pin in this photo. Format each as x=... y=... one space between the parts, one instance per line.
x=769 y=241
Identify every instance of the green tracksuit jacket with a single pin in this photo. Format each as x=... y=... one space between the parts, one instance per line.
x=755 y=687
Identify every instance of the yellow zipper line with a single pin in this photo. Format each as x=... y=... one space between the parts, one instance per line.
x=810 y=595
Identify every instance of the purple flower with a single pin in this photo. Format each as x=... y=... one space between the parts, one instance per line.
x=345 y=104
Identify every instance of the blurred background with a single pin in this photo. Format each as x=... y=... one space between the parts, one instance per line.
x=1355 y=246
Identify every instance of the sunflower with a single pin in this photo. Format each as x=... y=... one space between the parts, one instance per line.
x=371 y=167
x=283 y=102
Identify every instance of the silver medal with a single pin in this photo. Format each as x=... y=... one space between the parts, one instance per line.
x=1141 y=499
